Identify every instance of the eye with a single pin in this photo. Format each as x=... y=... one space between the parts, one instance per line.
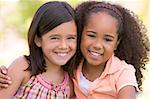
x=71 y=38
x=54 y=38
x=108 y=39
x=91 y=35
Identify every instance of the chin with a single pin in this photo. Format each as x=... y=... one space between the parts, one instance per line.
x=94 y=63
x=61 y=63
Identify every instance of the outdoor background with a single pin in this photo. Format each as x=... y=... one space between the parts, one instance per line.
x=16 y=15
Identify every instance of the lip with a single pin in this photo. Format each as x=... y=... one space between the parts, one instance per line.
x=62 y=54
x=94 y=54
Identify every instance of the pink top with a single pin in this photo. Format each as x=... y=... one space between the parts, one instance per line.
x=116 y=75
x=38 y=88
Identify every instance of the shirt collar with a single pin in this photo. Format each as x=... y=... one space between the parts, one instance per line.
x=113 y=65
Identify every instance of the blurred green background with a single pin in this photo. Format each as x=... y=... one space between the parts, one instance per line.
x=16 y=16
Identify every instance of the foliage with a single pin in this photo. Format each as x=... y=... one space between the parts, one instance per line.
x=26 y=9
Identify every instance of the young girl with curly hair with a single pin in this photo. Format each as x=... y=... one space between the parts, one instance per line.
x=113 y=51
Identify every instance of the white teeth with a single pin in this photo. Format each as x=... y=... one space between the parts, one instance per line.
x=62 y=54
x=95 y=54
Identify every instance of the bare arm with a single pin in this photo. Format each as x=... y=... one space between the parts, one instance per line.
x=16 y=72
x=127 y=92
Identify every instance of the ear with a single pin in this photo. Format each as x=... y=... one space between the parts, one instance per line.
x=37 y=41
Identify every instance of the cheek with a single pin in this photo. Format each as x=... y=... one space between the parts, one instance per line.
x=47 y=46
x=84 y=45
x=84 y=41
x=73 y=45
x=110 y=48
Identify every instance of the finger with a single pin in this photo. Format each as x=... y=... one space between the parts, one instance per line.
x=4 y=81
x=3 y=69
x=3 y=85
x=2 y=76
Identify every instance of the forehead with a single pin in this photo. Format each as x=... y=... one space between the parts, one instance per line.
x=64 y=29
x=103 y=18
x=66 y=26
x=102 y=22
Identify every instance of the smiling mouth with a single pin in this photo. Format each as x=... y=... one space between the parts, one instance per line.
x=96 y=54
x=62 y=54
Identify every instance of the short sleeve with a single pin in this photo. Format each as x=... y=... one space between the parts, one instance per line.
x=127 y=77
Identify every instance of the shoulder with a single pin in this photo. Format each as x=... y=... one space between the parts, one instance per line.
x=121 y=69
x=17 y=68
x=121 y=65
x=125 y=76
x=20 y=63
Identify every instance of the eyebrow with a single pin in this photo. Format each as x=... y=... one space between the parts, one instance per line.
x=72 y=34
x=91 y=31
x=59 y=35
x=54 y=35
x=107 y=35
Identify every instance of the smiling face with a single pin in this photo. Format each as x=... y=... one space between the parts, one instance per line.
x=99 y=38
x=59 y=44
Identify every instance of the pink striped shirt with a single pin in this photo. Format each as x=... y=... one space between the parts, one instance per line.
x=38 y=88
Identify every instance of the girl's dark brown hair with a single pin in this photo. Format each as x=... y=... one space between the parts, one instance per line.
x=47 y=17
x=134 y=43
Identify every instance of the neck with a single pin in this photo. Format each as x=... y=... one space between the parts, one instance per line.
x=52 y=68
x=92 y=72
x=54 y=73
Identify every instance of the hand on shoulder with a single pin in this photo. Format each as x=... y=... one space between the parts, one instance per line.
x=17 y=73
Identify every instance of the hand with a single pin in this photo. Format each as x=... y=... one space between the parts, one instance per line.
x=5 y=81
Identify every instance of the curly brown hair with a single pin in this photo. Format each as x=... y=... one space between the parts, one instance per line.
x=134 y=43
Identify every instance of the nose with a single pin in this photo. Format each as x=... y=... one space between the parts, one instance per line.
x=98 y=45
x=63 y=44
